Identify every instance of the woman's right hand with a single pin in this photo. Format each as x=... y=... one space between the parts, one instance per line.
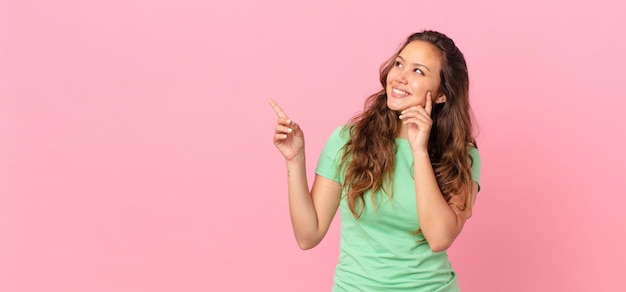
x=288 y=137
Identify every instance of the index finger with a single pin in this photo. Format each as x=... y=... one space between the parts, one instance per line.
x=429 y=103
x=279 y=111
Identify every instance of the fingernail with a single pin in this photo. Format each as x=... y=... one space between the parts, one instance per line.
x=289 y=122
x=290 y=130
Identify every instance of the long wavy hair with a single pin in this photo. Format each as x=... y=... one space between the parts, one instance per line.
x=369 y=155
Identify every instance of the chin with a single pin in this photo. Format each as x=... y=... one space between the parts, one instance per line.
x=395 y=106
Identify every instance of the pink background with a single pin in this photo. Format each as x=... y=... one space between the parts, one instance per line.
x=136 y=154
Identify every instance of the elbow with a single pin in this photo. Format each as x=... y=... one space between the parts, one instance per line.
x=439 y=244
x=306 y=244
x=440 y=240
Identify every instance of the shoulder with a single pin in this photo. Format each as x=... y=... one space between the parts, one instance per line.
x=476 y=163
x=330 y=158
x=336 y=142
x=473 y=152
x=340 y=135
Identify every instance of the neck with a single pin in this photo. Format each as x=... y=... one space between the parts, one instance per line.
x=403 y=132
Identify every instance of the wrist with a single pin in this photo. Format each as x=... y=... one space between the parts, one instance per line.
x=296 y=160
x=420 y=154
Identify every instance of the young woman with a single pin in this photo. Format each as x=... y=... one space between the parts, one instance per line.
x=404 y=174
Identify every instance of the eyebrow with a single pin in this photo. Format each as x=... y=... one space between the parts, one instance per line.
x=415 y=64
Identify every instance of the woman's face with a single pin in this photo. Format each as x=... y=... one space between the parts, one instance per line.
x=415 y=72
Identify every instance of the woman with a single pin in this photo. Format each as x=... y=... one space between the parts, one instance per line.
x=404 y=174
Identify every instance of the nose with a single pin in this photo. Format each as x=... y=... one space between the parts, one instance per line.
x=402 y=76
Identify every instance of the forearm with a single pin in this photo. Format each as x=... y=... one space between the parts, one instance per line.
x=301 y=207
x=438 y=222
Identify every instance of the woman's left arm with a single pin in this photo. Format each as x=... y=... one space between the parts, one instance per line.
x=439 y=222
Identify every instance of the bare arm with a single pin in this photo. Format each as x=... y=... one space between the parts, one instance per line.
x=311 y=211
x=439 y=223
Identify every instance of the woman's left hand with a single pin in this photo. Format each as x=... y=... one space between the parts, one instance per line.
x=419 y=123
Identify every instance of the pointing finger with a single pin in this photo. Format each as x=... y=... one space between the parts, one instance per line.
x=279 y=111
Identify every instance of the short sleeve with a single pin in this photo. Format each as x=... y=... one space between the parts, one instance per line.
x=473 y=152
x=328 y=162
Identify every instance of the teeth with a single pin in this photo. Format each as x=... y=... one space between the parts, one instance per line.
x=398 y=91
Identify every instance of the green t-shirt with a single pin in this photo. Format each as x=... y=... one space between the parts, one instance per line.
x=379 y=251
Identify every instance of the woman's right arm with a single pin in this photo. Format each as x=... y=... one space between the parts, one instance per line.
x=311 y=211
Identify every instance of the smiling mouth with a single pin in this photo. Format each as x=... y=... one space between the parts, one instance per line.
x=399 y=92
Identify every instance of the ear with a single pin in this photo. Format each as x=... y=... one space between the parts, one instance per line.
x=441 y=98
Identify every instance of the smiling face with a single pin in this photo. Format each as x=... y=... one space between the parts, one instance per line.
x=415 y=72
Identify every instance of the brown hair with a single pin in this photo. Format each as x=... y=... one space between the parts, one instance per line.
x=369 y=154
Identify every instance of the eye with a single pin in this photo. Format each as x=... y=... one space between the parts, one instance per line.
x=418 y=71
x=398 y=64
